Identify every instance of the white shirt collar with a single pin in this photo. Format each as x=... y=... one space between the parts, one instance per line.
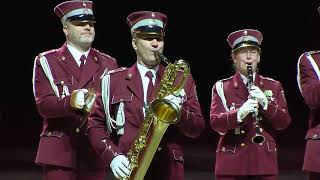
x=142 y=69
x=77 y=54
x=145 y=80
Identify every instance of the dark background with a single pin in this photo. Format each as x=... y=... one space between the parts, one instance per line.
x=196 y=31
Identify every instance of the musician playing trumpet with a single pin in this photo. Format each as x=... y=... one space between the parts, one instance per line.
x=126 y=94
x=247 y=117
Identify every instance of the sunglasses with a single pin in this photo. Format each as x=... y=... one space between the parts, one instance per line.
x=150 y=37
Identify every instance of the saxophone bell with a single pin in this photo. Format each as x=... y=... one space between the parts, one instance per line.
x=165 y=111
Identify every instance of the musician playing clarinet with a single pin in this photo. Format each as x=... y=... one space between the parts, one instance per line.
x=246 y=110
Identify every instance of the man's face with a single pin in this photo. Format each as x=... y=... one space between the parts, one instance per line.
x=247 y=55
x=79 y=33
x=145 y=45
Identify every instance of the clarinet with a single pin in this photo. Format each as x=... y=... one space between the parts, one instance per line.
x=258 y=138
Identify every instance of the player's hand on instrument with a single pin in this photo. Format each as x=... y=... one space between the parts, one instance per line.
x=251 y=105
x=77 y=100
x=256 y=93
x=178 y=99
x=120 y=166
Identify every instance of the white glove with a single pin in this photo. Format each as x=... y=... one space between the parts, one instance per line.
x=257 y=94
x=77 y=100
x=178 y=99
x=249 y=106
x=120 y=166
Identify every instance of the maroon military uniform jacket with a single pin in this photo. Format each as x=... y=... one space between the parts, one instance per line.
x=59 y=144
x=126 y=86
x=310 y=88
x=236 y=154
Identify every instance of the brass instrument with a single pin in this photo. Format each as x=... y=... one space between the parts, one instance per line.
x=89 y=101
x=160 y=113
x=258 y=138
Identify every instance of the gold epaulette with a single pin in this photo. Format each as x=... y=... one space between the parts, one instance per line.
x=313 y=52
x=117 y=70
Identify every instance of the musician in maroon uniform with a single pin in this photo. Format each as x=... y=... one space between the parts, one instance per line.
x=308 y=81
x=247 y=117
x=119 y=112
x=62 y=78
x=308 y=78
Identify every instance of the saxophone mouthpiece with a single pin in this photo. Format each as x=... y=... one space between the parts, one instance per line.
x=159 y=55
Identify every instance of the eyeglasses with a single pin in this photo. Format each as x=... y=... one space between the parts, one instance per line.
x=83 y=23
x=252 y=52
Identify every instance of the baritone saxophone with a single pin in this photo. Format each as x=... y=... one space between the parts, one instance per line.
x=160 y=113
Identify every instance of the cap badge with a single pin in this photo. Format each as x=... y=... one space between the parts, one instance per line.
x=245 y=32
x=245 y=38
x=85 y=10
x=152 y=21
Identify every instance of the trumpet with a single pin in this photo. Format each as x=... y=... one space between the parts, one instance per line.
x=258 y=138
x=89 y=99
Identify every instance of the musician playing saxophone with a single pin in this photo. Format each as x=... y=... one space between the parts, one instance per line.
x=247 y=117
x=121 y=106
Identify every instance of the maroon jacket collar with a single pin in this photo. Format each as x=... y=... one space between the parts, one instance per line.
x=240 y=88
x=71 y=66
